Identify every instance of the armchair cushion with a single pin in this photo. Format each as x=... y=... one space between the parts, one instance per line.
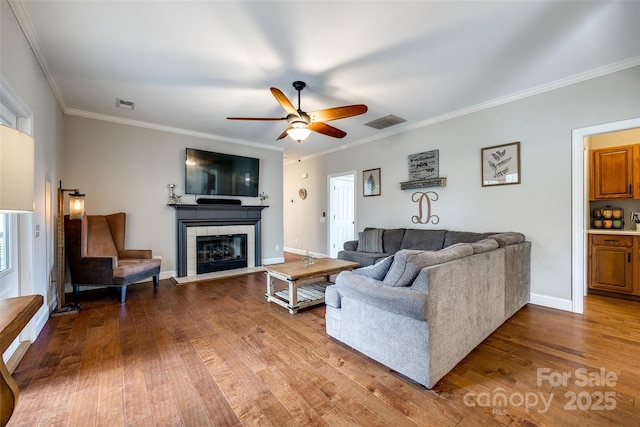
x=98 y=239
x=128 y=267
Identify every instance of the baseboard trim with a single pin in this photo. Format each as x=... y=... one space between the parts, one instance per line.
x=269 y=261
x=551 y=302
x=304 y=252
x=16 y=357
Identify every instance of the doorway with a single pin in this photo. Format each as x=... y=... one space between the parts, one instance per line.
x=580 y=204
x=341 y=210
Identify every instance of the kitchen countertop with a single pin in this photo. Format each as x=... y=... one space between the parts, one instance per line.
x=617 y=231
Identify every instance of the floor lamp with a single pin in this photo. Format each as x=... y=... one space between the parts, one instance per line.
x=76 y=212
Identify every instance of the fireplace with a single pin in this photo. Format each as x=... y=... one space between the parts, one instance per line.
x=218 y=253
x=195 y=221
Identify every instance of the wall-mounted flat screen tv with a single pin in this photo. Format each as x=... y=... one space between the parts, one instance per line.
x=216 y=174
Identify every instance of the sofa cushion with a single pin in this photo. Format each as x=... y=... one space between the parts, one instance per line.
x=373 y=293
x=426 y=240
x=407 y=263
x=484 y=245
x=362 y=258
x=370 y=240
x=453 y=237
x=392 y=240
x=376 y=271
x=509 y=238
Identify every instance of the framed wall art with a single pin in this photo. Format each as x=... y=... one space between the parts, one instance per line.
x=371 y=182
x=424 y=165
x=501 y=164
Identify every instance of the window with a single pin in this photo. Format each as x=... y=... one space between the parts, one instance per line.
x=4 y=251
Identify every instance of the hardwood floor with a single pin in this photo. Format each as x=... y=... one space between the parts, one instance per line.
x=216 y=353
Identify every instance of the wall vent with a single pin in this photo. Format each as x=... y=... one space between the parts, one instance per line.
x=385 y=122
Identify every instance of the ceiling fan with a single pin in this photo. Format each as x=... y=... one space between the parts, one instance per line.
x=302 y=123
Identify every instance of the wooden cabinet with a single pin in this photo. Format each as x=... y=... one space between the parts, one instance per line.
x=613 y=263
x=615 y=173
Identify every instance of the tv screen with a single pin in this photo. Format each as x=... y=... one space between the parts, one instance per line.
x=217 y=174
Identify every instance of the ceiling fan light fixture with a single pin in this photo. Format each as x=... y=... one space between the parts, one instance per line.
x=298 y=131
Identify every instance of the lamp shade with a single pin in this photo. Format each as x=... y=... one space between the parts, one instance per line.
x=76 y=205
x=16 y=170
x=298 y=131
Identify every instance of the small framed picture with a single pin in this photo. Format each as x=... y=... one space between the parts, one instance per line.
x=501 y=164
x=371 y=182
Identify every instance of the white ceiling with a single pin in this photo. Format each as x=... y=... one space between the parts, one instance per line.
x=188 y=65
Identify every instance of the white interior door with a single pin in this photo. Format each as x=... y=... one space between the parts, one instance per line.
x=341 y=211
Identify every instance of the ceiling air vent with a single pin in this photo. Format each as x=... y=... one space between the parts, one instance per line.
x=385 y=122
x=127 y=105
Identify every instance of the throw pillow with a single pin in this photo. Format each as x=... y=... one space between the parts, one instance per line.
x=370 y=240
x=376 y=271
x=407 y=263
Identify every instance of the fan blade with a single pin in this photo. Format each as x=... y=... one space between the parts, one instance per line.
x=283 y=134
x=284 y=101
x=338 y=113
x=326 y=129
x=256 y=118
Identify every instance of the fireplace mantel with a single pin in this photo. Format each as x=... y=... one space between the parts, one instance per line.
x=215 y=215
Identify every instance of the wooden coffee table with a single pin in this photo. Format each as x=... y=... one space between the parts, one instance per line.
x=305 y=295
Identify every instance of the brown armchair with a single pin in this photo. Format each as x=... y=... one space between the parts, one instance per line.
x=97 y=257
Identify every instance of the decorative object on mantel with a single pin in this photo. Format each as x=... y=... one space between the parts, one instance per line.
x=424 y=199
x=371 y=182
x=423 y=171
x=263 y=197
x=501 y=164
x=307 y=260
x=174 y=199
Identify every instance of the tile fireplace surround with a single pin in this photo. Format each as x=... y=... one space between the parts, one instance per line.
x=211 y=220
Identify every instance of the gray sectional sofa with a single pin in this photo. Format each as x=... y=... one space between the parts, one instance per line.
x=421 y=311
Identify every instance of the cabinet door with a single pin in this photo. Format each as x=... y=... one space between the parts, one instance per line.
x=612 y=173
x=611 y=264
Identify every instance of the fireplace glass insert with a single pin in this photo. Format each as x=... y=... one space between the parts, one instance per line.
x=218 y=253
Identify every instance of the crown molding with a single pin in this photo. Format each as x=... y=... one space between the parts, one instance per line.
x=578 y=78
x=32 y=38
x=170 y=129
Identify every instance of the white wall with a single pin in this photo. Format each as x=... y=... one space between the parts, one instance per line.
x=127 y=168
x=540 y=206
x=24 y=78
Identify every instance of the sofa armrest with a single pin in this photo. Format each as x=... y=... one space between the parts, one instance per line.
x=402 y=301
x=135 y=254
x=351 y=245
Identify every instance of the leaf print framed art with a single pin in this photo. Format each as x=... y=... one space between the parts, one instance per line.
x=501 y=164
x=371 y=182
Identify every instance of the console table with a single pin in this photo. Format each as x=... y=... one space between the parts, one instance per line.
x=15 y=313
